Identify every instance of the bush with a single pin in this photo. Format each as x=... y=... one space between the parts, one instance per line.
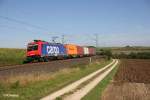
x=133 y=55
x=15 y=85
x=107 y=53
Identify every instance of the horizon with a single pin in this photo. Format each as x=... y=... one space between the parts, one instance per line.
x=89 y=45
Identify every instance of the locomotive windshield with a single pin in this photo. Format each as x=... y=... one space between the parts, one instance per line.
x=32 y=47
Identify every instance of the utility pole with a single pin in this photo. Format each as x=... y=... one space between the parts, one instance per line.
x=63 y=39
x=96 y=40
x=54 y=39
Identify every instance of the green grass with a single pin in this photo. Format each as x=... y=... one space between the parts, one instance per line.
x=11 y=56
x=96 y=93
x=38 y=89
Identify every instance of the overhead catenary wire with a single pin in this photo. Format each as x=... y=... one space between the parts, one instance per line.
x=96 y=40
x=22 y=22
x=33 y=26
x=63 y=39
x=27 y=24
x=13 y=27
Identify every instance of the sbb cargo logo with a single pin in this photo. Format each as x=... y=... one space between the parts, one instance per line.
x=52 y=50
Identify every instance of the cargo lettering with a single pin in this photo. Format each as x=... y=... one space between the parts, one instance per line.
x=52 y=50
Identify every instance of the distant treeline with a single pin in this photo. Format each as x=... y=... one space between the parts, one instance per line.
x=133 y=55
x=126 y=48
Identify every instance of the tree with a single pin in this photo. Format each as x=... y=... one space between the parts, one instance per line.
x=108 y=54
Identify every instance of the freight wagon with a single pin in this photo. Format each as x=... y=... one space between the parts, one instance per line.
x=86 y=51
x=71 y=50
x=92 y=51
x=44 y=51
x=80 y=51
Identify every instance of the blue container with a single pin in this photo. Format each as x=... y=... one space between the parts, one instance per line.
x=53 y=49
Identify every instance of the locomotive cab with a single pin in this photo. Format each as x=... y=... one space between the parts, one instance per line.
x=32 y=50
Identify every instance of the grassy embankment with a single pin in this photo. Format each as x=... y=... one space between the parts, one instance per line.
x=11 y=56
x=96 y=93
x=37 y=87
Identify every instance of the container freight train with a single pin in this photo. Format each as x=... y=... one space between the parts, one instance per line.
x=43 y=51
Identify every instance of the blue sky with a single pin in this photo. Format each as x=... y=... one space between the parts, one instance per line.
x=117 y=22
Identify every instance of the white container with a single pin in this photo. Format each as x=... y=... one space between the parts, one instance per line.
x=86 y=50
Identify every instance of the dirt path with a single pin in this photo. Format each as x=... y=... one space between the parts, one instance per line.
x=79 y=94
x=77 y=83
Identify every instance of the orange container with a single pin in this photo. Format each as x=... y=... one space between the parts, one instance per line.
x=71 y=49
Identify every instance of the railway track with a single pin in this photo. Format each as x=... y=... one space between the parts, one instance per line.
x=44 y=67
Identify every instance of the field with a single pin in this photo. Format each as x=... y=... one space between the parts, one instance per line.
x=131 y=82
x=33 y=87
x=11 y=56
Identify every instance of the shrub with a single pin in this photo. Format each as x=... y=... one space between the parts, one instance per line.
x=15 y=85
x=107 y=53
x=133 y=55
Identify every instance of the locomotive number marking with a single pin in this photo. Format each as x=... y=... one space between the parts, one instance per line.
x=52 y=50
